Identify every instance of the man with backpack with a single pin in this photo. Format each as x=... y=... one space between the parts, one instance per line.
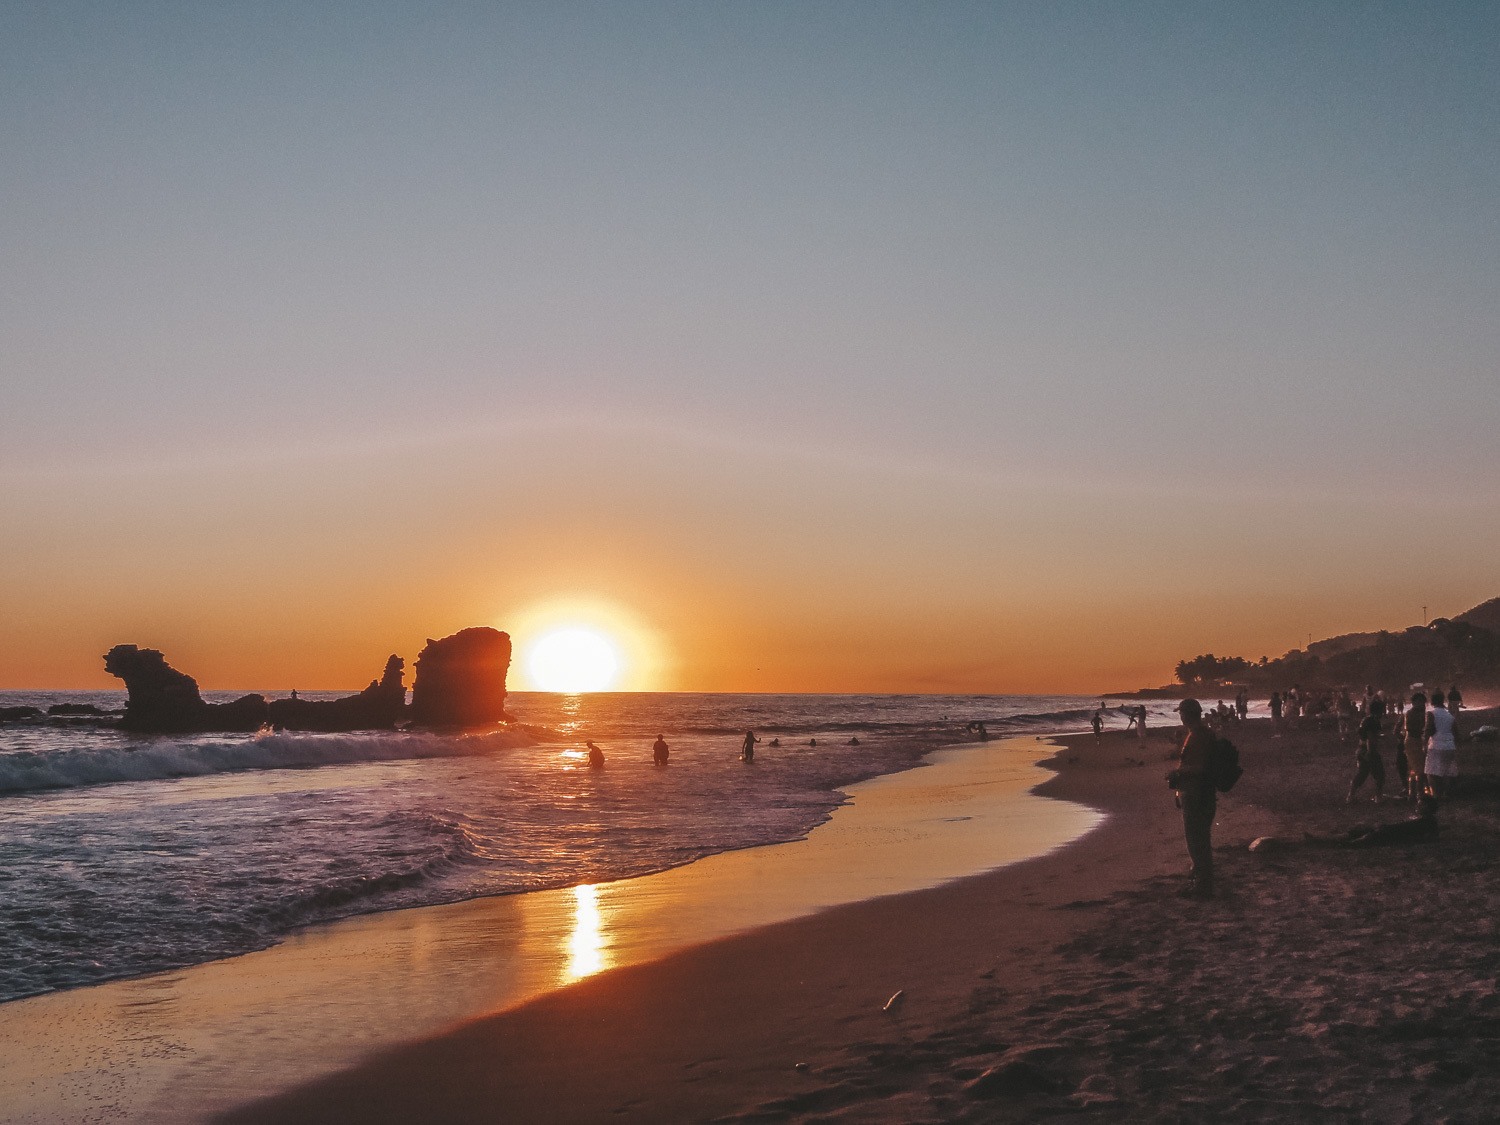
x=1193 y=779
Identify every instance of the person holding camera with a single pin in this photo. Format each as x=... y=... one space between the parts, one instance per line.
x=1196 y=797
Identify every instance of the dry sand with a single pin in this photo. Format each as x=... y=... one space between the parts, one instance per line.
x=1342 y=985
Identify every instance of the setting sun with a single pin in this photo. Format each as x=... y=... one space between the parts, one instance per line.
x=573 y=660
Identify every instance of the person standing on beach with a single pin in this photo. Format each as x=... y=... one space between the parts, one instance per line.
x=1276 y=714
x=1140 y=722
x=1416 y=736
x=1455 y=700
x=1196 y=796
x=1367 y=761
x=1098 y=724
x=1440 y=765
x=747 y=748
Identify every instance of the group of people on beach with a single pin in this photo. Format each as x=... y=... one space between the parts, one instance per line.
x=1426 y=732
x=661 y=753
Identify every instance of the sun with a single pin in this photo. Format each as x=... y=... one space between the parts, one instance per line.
x=573 y=660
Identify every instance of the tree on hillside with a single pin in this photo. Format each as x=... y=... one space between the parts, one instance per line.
x=1209 y=668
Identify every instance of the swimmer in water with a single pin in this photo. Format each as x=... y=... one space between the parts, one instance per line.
x=596 y=756
x=659 y=751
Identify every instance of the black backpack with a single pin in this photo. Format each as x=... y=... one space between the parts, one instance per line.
x=1224 y=765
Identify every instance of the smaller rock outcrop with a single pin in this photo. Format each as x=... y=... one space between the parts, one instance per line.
x=19 y=714
x=379 y=707
x=460 y=680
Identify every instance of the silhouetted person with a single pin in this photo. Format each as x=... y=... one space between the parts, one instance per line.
x=812 y=741
x=1276 y=714
x=1196 y=796
x=1420 y=827
x=1416 y=739
x=979 y=729
x=1098 y=724
x=659 y=751
x=747 y=748
x=294 y=693
x=774 y=742
x=1455 y=700
x=1368 y=762
x=596 y=756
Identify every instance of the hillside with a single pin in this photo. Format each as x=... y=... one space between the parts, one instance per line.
x=1464 y=650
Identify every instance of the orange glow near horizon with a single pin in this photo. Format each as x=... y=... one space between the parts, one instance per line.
x=572 y=660
x=579 y=644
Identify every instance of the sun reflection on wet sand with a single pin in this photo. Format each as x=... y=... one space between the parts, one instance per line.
x=586 y=942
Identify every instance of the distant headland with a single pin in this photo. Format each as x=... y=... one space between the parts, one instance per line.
x=1461 y=650
x=460 y=684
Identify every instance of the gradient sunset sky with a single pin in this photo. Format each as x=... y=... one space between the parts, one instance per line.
x=804 y=346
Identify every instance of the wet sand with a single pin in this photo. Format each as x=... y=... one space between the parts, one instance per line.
x=1319 y=985
x=180 y=1046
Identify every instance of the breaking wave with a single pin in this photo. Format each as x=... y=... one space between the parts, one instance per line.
x=25 y=771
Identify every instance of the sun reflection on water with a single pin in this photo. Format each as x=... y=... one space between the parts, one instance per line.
x=586 y=943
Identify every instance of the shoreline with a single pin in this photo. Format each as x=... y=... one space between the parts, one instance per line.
x=178 y=1045
x=723 y=1024
x=1320 y=984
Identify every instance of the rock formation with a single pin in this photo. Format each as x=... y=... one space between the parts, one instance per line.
x=163 y=700
x=461 y=680
x=379 y=707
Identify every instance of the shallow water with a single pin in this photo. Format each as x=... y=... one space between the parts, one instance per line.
x=126 y=854
x=176 y=1047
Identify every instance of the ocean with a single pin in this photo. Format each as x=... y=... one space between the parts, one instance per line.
x=127 y=854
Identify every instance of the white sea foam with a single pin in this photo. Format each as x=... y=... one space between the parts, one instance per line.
x=157 y=759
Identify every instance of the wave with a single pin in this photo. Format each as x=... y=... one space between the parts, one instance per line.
x=26 y=771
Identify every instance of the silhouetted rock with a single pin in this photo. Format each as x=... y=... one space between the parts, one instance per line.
x=162 y=699
x=460 y=680
x=17 y=714
x=379 y=707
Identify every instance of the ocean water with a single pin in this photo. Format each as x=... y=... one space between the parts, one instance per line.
x=124 y=854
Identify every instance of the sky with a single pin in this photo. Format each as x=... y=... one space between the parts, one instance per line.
x=802 y=347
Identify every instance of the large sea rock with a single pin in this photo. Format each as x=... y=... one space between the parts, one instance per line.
x=461 y=680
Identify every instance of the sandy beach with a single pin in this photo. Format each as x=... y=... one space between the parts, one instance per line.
x=1321 y=984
